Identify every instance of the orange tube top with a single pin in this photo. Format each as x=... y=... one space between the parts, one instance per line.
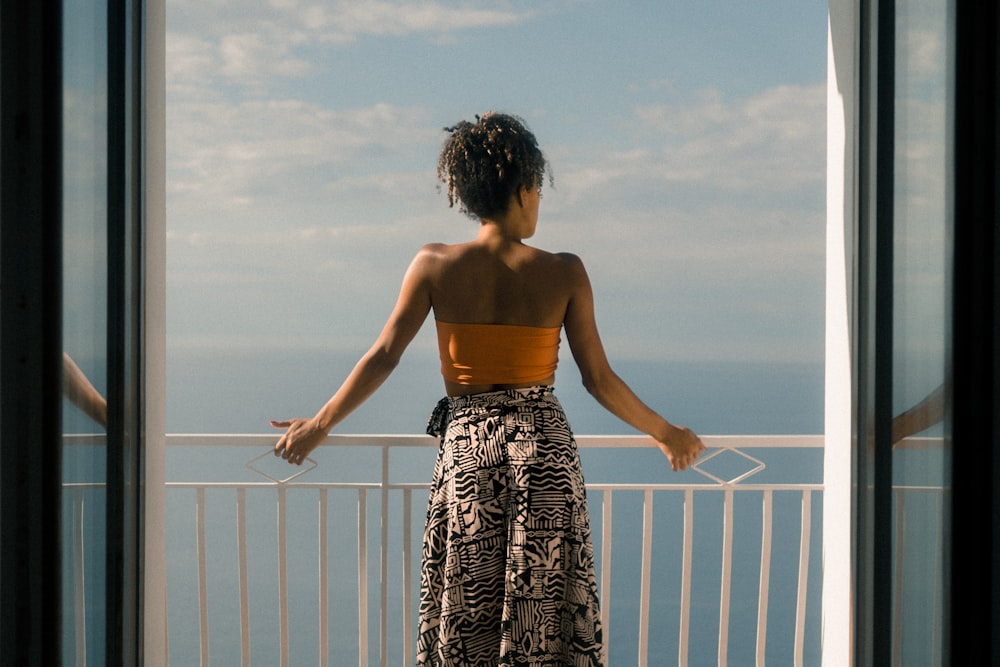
x=474 y=354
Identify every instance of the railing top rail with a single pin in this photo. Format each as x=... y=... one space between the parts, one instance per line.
x=413 y=440
x=417 y=486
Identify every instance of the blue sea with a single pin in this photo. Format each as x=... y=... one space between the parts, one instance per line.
x=231 y=391
x=220 y=391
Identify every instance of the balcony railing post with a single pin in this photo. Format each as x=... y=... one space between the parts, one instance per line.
x=606 y=522
x=765 y=575
x=244 y=575
x=79 y=590
x=725 y=586
x=407 y=578
x=362 y=578
x=202 y=576
x=805 y=533
x=323 y=598
x=647 y=571
x=685 y=623
x=384 y=562
x=283 y=573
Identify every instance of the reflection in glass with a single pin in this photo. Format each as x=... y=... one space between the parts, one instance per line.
x=85 y=290
x=921 y=317
x=83 y=394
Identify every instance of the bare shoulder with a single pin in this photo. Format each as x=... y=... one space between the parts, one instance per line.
x=439 y=261
x=433 y=250
x=444 y=254
x=436 y=254
x=445 y=251
x=572 y=266
x=569 y=260
x=427 y=262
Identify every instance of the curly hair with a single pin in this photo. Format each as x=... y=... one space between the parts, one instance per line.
x=484 y=163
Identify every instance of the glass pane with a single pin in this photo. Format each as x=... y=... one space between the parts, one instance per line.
x=84 y=329
x=921 y=321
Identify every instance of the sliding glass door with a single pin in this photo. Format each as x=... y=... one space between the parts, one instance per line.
x=85 y=330
x=904 y=353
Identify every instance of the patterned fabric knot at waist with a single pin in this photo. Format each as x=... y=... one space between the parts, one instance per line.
x=500 y=401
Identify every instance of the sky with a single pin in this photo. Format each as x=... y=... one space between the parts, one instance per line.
x=686 y=139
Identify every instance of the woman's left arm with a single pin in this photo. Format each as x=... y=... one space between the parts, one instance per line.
x=414 y=303
x=680 y=445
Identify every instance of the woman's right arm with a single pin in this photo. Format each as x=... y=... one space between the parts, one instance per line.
x=412 y=307
x=680 y=445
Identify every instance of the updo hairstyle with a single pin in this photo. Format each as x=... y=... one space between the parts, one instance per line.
x=484 y=163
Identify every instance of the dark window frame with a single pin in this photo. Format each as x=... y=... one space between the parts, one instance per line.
x=975 y=558
x=124 y=519
x=31 y=356
x=30 y=330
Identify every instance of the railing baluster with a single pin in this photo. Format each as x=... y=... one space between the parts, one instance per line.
x=647 y=560
x=765 y=576
x=685 y=621
x=727 y=571
x=324 y=580
x=79 y=570
x=800 y=607
x=407 y=579
x=202 y=574
x=899 y=547
x=606 y=522
x=241 y=557
x=283 y=574
x=362 y=578
x=383 y=616
x=937 y=656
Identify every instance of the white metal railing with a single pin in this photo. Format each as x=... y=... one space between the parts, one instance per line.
x=705 y=482
x=375 y=504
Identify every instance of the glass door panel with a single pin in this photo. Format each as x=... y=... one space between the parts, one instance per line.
x=921 y=376
x=85 y=342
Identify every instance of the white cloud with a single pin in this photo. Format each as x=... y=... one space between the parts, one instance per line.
x=769 y=139
x=763 y=155
x=700 y=219
x=198 y=62
x=246 y=43
x=230 y=156
x=347 y=20
x=706 y=220
x=249 y=55
x=923 y=51
x=191 y=62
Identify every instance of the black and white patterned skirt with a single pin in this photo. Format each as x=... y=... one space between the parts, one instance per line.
x=507 y=574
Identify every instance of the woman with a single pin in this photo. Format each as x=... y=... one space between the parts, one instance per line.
x=507 y=575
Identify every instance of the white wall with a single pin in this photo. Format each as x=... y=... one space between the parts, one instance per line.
x=841 y=198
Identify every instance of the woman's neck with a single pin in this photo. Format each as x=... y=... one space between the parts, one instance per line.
x=497 y=234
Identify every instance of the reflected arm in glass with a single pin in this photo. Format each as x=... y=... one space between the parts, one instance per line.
x=82 y=393
x=923 y=415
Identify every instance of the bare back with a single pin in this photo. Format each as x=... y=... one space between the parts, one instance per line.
x=510 y=283
x=516 y=284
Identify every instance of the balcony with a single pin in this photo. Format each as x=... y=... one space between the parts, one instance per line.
x=270 y=564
